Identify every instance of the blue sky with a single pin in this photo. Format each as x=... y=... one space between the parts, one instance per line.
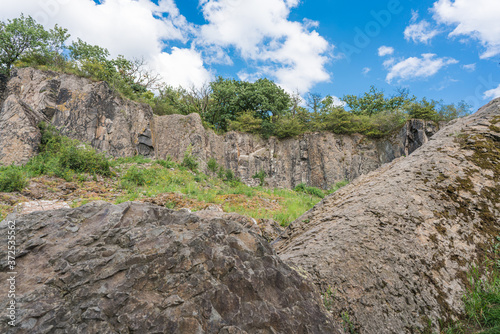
x=439 y=49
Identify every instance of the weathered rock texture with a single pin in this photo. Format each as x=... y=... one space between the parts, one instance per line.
x=317 y=159
x=89 y=111
x=397 y=243
x=140 y=268
x=82 y=109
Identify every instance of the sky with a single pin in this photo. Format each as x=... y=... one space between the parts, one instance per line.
x=439 y=49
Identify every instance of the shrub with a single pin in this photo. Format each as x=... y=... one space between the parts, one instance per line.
x=135 y=176
x=302 y=187
x=81 y=158
x=167 y=163
x=261 y=175
x=12 y=178
x=212 y=165
x=189 y=160
x=337 y=186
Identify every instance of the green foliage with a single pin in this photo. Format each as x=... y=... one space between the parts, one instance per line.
x=212 y=165
x=167 y=163
x=347 y=323
x=482 y=301
x=233 y=97
x=302 y=187
x=423 y=110
x=135 y=176
x=374 y=102
x=261 y=175
x=246 y=122
x=24 y=37
x=190 y=161
x=12 y=178
x=63 y=157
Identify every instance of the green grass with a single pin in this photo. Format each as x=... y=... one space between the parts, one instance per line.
x=482 y=300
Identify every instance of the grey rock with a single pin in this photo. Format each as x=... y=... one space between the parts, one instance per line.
x=80 y=108
x=142 y=268
x=397 y=243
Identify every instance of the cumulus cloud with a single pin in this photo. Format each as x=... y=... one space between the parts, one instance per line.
x=492 y=93
x=385 y=50
x=477 y=19
x=137 y=28
x=262 y=34
x=421 y=31
x=292 y=53
x=416 y=68
x=469 y=67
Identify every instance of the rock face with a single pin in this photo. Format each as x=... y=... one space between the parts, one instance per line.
x=397 y=243
x=317 y=159
x=80 y=108
x=89 y=111
x=140 y=268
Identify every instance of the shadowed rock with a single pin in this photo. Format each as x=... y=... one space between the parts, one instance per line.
x=140 y=268
x=397 y=243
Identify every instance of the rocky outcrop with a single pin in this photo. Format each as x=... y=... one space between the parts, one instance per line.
x=91 y=112
x=80 y=108
x=396 y=244
x=141 y=268
x=317 y=159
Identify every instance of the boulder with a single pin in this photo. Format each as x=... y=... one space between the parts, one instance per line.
x=396 y=245
x=141 y=268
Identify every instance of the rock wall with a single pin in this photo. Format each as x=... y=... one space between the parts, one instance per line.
x=317 y=159
x=141 y=268
x=396 y=244
x=91 y=112
x=80 y=108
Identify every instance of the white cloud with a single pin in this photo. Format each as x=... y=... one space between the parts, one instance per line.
x=492 y=93
x=469 y=67
x=416 y=68
x=290 y=52
x=182 y=67
x=131 y=28
x=262 y=34
x=385 y=50
x=477 y=19
x=366 y=70
x=420 y=32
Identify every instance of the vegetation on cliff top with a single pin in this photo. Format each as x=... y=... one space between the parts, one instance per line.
x=261 y=107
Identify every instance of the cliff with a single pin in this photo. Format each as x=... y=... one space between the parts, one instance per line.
x=397 y=244
x=91 y=112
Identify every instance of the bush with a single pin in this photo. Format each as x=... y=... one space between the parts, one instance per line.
x=135 y=176
x=12 y=178
x=81 y=158
x=189 y=160
x=212 y=165
x=167 y=163
x=261 y=175
x=303 y=188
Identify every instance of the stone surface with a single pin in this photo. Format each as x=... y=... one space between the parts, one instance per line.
x=397 y=243
x=140 y=268
x=80 y=108
x=317 y=159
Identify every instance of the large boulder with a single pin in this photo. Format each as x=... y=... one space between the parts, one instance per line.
x=396 y=244
x=141 y=268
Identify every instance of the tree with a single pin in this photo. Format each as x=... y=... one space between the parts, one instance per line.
x=374 y=102
x=423 y=110
x=23 y=37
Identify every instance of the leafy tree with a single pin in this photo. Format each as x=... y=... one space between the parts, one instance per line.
x=447 y=112
x=23 y=37
x=233 y=97
x=246 y=122
x=374 y=101
x=423 y=110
